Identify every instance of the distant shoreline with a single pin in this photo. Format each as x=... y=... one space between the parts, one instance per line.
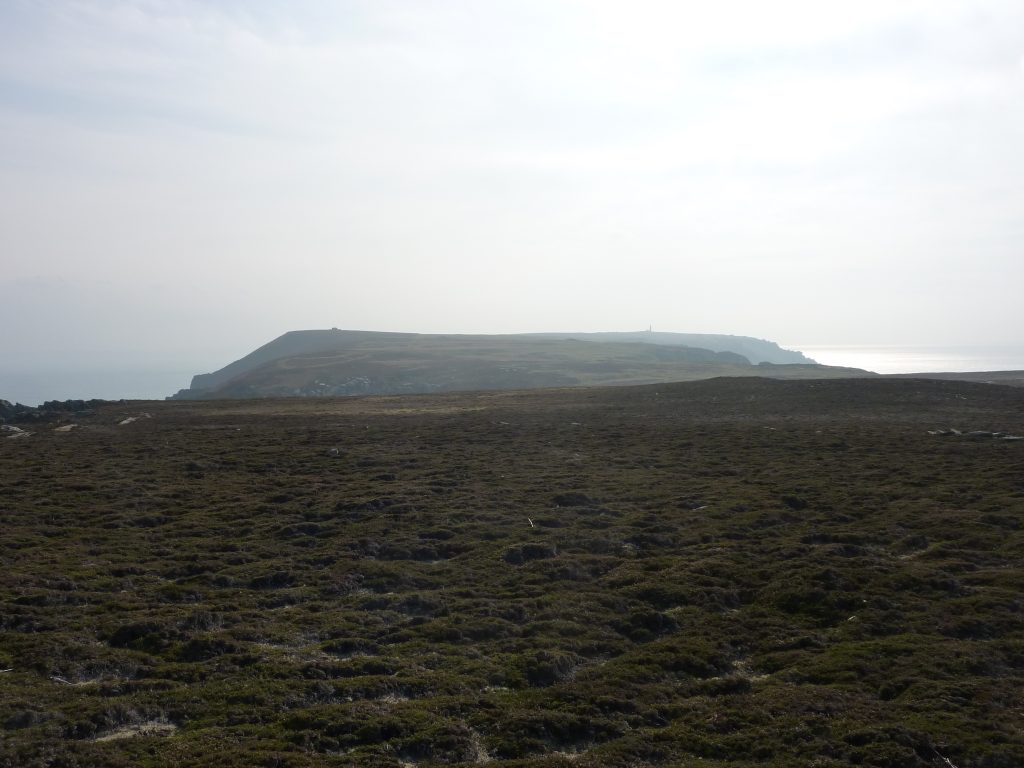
x=1003 y=364
x=1013 y=378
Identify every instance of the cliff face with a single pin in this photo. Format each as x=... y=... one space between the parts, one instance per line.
x=336 y=362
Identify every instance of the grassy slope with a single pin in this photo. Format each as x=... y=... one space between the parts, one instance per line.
x=746 y=571
x=331 y=342
x=396 y=364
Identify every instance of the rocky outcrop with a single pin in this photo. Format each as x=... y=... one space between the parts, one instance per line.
x=48 y=411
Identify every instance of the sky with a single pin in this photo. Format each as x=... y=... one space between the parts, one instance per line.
x=182 y=181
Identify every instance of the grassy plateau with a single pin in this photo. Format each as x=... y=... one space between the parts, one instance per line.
x=335 y=362
x=733 y=572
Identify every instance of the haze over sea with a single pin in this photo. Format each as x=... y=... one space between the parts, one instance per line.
x=911 y=359
x=36 y=386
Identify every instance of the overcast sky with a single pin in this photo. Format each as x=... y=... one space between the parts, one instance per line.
x=181 y=181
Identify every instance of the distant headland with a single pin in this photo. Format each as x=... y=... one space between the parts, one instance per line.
x=345 y=362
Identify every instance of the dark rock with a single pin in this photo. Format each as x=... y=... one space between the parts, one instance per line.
x=48 y=411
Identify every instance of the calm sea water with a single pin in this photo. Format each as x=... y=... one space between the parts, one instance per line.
x=35 y=387
x=882 y=359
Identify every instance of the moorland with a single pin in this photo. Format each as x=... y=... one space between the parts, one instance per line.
x=734 y=572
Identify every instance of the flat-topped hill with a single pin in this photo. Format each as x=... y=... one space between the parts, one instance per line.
x=336 y=362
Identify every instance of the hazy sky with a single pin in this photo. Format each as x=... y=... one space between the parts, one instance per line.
x=181 y=181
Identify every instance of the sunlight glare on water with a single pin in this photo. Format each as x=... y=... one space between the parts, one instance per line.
x=882 y=359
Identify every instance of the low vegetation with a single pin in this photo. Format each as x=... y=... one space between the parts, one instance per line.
x=741 y=572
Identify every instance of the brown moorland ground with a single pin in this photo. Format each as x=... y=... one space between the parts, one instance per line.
x=1008 y=378
x=734 y=572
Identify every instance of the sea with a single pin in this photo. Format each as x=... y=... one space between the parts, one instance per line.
x=902 y=359
x=35 y=387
